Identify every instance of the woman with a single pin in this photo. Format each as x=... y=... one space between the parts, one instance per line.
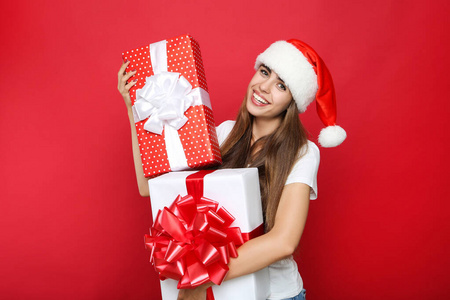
x=269 y=135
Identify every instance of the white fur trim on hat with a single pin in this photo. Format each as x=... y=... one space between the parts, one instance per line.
x=332 y=136
x=294 y=69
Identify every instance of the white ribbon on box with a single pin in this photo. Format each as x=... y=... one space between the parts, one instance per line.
x=163 y=100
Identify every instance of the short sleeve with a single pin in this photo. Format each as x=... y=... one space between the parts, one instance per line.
x=306 y=168
x=223 y=130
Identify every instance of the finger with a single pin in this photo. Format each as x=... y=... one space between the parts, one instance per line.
x=123 y=83
x=129 y=85
x=124 y=80
x=128 y=75
x=123 y=68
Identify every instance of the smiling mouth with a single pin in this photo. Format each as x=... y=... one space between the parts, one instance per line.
x=259 y=99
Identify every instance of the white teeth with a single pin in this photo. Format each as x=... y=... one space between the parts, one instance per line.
x=259 y=99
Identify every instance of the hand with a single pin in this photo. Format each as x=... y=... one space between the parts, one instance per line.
x=198 y=293
x=123 y=85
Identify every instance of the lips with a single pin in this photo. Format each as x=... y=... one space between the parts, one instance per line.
x=259 y=100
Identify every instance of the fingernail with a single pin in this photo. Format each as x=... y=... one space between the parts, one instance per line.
x=135 y=80
x=126 y=60
x=134 y=70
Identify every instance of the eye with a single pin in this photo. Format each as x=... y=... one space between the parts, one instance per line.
x=281 y=86
x=264 y=71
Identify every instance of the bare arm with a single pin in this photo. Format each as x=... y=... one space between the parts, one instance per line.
x=124 y=87
x=277 y=244
x=282 y=240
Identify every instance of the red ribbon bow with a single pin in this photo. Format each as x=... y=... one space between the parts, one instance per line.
x=192 y=241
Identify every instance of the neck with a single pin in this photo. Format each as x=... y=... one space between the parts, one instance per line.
x=262 y=127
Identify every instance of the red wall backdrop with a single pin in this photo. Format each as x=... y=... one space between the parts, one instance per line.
x=71 y=218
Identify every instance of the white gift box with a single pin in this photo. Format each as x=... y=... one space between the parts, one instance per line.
x=237 y=190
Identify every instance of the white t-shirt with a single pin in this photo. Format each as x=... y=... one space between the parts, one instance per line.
x=285 y=280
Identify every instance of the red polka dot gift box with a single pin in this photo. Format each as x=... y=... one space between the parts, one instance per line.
x=171 y=107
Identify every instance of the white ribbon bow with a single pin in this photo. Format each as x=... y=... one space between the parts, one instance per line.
x=165 y=97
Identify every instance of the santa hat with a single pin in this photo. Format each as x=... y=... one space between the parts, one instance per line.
x=307 y=77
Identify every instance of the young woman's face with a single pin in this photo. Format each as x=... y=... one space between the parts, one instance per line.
x=267 y=94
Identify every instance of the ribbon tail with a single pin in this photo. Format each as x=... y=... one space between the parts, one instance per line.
x=209 y=294
x=175 y=152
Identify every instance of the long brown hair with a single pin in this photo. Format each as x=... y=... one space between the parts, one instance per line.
x=274 y=155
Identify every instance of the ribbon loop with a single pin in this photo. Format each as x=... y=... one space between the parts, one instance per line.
x=163 y=100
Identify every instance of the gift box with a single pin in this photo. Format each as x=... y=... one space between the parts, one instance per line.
x=171 y=107
x=238 y=194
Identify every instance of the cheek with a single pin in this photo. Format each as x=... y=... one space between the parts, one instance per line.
x=283 y=100
x=256 y=78
x=252 y=82
x=288 y=100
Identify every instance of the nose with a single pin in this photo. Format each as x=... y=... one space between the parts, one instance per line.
x=265 y=86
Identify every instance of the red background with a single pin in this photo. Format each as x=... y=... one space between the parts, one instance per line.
x=71 y=218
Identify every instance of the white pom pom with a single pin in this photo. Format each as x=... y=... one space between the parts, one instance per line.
x=332 y=136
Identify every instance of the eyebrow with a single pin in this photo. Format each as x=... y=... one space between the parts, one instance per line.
x=270 y=71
